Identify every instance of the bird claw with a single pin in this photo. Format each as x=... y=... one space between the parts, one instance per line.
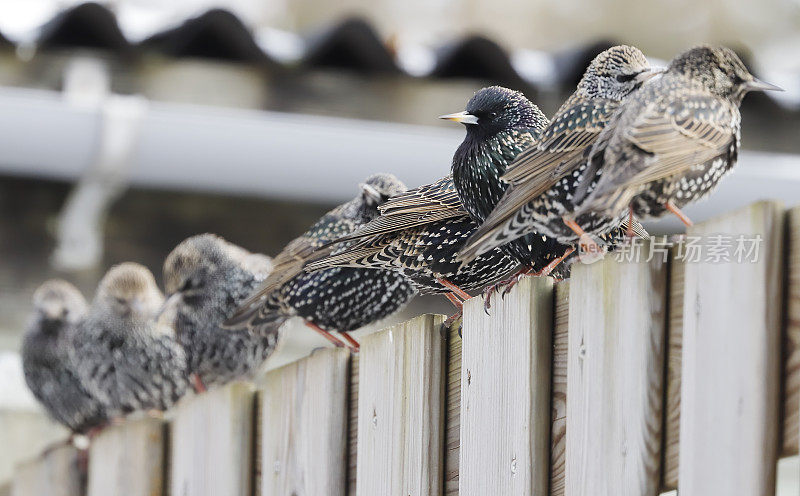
x=487 y=297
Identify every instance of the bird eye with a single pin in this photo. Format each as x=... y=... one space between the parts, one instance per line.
x=624 y=78
x=120 y=301
x=492 y=115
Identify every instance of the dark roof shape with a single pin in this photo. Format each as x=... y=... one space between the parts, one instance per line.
x=86 y=25
x=477 y=57
x=215 y=34
x=352 y=44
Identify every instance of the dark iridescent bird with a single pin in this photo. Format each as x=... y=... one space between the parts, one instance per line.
x=418 y=234
x=675 y=139
x=500 y=124
x=206 y=278
x=124 y=357
x=543 y=179
x=58 y=307
x=339 y=299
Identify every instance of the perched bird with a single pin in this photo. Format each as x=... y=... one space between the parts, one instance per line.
x=206 y=278
x=58 y=307
x=418 y=234
x=500 y=124
x=339 y=299
x=675 y=139
x=124 y=357
x=543 y=179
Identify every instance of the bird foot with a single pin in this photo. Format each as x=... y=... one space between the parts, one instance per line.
x=679 y=214
x=352 y=344
x=505 y=285
x=197 y=383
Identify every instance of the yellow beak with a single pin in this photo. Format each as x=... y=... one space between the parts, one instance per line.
x=462 y=117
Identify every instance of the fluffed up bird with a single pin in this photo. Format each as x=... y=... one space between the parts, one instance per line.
x=124 y=357
x=206 y=278
x=58 y=307
x=338 y=299
x=675 y=139
x=543 y=179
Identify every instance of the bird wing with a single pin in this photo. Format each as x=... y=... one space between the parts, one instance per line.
x=438 y=195
x=291 y=260
x=417 y=207
x=561 y=148
x=670 y=138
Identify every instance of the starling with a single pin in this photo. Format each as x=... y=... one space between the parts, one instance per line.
x=338 y=299
x=58 y=307
x=418 y=235
x=500 y=124
x=124 y=357
x=543 y=178
x=675 y=139
x=206 y=278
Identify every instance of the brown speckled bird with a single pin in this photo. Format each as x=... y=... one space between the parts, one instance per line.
x=124 y=357
x=675 y=139
x=58 y=307
x=543 y=178
x=206 y=278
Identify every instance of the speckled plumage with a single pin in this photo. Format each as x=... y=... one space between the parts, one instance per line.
x=206 y=278
x=49 y=371
x=124 y=357
x=507 y=123
x=338 y=299
x=418 y=235
x=675 y=139
x=543 y=178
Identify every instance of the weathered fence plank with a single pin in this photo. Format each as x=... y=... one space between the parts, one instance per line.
x=352 y=426
x=54 y=473
x=304 y=426
x=617 y=317
x=672 y=415
x=401 y=410
x=453 y=416
x=731 y=361
x=128 y=460
x=211 y=443
x=558 y=434
x=505 y=392
x=791 y=341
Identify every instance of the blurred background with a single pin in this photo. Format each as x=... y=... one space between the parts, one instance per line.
x=127 y=126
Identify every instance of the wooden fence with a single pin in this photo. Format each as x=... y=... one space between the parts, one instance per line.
x=632 y=378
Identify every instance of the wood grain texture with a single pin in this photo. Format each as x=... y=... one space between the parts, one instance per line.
x=211 y=443
x=54 y=473
x=731 y=362
x=304 y=426
x=558 y=434
x=352 y=426
x=672 y=415
x=791 y=340
x=401 y=410
x=128 y=459
x=617 y=321
x=452 y=421
x=505 y=392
